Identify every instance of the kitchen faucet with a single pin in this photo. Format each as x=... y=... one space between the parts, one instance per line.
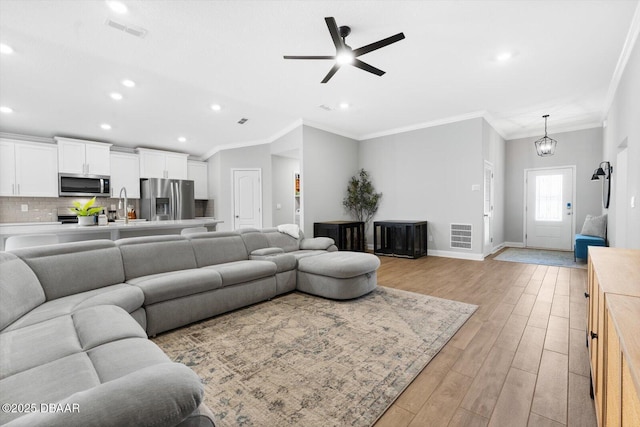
x=126 y=215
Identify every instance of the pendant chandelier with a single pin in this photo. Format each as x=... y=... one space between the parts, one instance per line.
x=545 y=146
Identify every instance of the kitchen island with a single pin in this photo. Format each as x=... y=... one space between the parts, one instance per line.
x=112 y=231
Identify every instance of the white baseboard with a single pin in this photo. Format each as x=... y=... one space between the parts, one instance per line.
x=457 y=255
x=513 y=244
x=497 y=248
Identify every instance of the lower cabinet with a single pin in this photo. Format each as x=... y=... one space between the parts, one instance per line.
x=613 y=334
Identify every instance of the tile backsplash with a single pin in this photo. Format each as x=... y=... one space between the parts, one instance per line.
x=46 y=209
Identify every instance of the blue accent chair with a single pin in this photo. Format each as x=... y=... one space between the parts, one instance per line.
x=583 y=242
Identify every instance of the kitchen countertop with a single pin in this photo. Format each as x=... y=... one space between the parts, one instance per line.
x=113 y=231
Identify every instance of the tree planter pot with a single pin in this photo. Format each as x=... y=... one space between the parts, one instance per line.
x=87 y=220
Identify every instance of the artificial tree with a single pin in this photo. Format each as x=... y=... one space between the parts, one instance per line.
x=361 y=200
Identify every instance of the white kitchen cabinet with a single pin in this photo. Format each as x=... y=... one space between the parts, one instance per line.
x=28 y=169
x=83 y=157
x=197 y=172
x=162 y=164
x=125 y=172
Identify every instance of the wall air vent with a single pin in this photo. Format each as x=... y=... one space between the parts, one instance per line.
x=461 y=235
x=129 y=29
x=242 y=121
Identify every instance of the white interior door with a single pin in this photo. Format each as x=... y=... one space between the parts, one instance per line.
x=549 y=208
x=488 y=208
x=247 y=198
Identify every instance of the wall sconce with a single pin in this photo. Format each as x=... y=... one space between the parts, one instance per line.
x=604 y=170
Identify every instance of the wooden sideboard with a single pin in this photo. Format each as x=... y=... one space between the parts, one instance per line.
x=614 y=334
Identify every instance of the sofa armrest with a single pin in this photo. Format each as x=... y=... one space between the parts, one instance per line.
x=316 y=243
x=259 y=253
x=159 y=395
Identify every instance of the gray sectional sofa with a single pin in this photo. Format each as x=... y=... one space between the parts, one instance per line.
x=74 y=321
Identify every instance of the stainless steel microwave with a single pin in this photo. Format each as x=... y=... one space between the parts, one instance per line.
x=84 y=185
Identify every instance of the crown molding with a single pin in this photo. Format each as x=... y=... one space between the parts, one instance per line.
x=627 y=49
x=556 y=130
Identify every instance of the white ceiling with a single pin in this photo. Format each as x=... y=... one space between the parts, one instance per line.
x=67 y=61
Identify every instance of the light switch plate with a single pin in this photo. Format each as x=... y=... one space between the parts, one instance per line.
x=633 y=201
x=24 y=208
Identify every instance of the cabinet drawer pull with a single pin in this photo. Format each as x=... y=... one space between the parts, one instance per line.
x=586 y=295
x=594 y=335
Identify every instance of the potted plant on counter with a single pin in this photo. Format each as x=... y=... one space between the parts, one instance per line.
x=85 y=212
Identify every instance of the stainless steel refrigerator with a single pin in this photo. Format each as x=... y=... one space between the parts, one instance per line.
x=166 y=199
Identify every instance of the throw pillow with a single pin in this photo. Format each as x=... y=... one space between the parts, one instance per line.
x=595 y=226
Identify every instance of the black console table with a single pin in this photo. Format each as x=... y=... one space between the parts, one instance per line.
x=348 y=235
x=400 y=238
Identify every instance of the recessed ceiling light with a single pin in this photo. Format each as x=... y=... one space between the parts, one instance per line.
x=6 y=49
x=115 y=95
x=105 y=126
x=216 y=107
x=6 y=110
x=504 y=56
x=182 y=139
x=344 y=105
x=128 y=83
x=117 y=7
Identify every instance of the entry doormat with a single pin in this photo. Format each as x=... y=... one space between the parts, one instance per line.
x=307 y=361
x=542 y=257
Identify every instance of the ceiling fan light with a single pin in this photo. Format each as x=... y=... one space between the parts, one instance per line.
x=345 y=57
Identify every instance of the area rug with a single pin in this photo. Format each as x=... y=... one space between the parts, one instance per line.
x=542 y=257
x=307 y=361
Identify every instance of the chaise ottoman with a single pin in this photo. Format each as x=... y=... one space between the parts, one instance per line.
x=338 y=275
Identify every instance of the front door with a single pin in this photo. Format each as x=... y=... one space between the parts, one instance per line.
x=247 y=199
x=549 y=208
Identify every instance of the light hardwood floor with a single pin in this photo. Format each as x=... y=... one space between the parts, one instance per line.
x=520 y=360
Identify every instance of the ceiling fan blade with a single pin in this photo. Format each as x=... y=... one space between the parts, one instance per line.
x=335 y=33
x=308 y=57
x=331 y=72
x=367 y=67
x=377 y=45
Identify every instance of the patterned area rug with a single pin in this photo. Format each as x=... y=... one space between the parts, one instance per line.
x=307 y=361
x=543 y=257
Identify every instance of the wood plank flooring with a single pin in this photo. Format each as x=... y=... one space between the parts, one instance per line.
x=520 y=360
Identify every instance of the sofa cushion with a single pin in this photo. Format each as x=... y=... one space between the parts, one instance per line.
x=317 y=243
x=218 y=248
x=281 y=240
x=253 y=239
x=340 y=265
x=63 y=336
x=20 y=290
x=70 y=268
x=129 y=298
x=143 y=256
x=160 y=395
x=284 y=262
x=244 y=271
x=176 y=284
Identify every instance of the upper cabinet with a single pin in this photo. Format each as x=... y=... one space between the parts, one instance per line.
x=83 y=157
x=125 y=172
x=197 y=171
x=28 y=169
x=162 y=164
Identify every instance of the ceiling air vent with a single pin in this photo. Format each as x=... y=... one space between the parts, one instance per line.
x=130 y=29
x=324 y=107
x=461 y=235
x=242 y=121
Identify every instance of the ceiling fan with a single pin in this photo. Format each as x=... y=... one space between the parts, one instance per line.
x=345 y=54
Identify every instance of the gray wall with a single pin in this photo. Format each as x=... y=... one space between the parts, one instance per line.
x=283 y=188
x=582 y=148
x=220 y=166
x=328 y=162
x=427 y=174
x=623 y=130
